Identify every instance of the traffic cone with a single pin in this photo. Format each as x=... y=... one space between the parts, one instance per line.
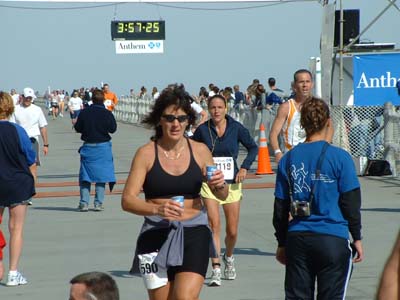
x=264 y=164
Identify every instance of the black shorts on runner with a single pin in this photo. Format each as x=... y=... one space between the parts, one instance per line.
x=196 y=248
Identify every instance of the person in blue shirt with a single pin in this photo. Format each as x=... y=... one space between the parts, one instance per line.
x=239 y=96
x=222 y=134
x=317 y=203
x=17 y=184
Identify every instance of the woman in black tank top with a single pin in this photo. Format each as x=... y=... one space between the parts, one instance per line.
x=171 y=165
x=187 y=184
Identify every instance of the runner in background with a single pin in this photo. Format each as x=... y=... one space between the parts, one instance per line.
x=222 y=135
x=75 y=105
x=110 y=98
x=32 y=119
x=201 y=117
x=287 y=121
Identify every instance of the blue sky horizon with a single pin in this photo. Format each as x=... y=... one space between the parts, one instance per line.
x=52 y=44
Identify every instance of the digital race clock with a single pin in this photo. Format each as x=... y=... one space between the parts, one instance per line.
x=137 y=30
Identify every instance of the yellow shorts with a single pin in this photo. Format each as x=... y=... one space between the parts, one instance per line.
x=235 y=193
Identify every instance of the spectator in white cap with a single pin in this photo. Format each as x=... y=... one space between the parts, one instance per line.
x=32 y=119
x=29 y=92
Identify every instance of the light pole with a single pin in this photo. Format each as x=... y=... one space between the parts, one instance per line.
x=341 y=21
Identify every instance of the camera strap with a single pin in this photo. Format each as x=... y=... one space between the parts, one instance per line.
x=317 y=173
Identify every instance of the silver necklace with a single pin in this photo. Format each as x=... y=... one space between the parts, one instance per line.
x=213 y=141
x=167 y=155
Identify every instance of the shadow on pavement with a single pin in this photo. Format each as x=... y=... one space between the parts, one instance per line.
x=54 y=208
x=381 y=209
x=75 y=175
x=59 y=176
x=123 y=274
x=390 y=181
x=249 y=251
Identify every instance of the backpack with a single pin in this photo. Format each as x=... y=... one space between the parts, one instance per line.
x=377 y=167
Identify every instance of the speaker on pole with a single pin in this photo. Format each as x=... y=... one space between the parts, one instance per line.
x=351 y=26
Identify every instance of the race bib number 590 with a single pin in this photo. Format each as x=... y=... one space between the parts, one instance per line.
x=226 y=165
x=153 y=275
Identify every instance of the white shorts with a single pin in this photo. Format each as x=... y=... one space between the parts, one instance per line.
x=153 y=275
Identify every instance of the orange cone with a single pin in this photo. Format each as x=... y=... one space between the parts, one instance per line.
x=264 y=164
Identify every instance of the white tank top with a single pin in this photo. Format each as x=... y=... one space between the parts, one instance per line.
x=292 y=131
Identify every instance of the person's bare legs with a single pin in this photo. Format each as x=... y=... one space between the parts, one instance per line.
x=1 y=269
x=1 y=261
x=61 y=108
x=232 y=211
x=160 y=293
x=16 y=227
x=186 y=286
x=54 y=112
x=214 y=221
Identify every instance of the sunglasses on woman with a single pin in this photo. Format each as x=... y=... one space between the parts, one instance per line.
x=172 y=118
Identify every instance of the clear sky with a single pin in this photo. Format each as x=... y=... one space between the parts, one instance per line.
x=43 y=45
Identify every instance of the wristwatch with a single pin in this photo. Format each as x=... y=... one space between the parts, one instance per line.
x=46 y=145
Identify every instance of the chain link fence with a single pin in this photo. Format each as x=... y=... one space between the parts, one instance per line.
x=371 y=132
x=359 y=130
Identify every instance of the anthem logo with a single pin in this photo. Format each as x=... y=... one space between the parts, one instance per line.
x=374 y=79
x=383 y=81
x=133 y=47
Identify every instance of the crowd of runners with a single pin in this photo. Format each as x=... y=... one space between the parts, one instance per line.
x=317 y=211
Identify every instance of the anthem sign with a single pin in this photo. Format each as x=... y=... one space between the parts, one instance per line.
x=375 y=77
x=129 y=47
x=383 y=81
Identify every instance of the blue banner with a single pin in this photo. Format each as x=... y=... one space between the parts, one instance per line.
x=375 y=77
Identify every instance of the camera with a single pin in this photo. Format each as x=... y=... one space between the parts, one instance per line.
x=300 y=208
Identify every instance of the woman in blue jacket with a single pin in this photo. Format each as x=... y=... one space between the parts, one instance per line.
x=317 y=203
x=222 y=134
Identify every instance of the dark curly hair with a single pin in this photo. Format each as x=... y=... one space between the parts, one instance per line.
x=314 y=115
x=176 y=95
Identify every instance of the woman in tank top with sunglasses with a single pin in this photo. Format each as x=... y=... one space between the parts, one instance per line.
x=175 y=242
